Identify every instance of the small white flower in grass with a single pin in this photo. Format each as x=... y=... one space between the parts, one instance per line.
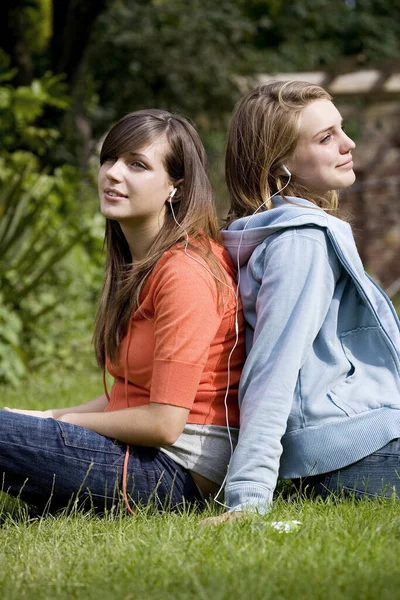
x=286 y=526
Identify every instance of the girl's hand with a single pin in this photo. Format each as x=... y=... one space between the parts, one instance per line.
x=67 y=418
x=42 y=414
x=228 y=516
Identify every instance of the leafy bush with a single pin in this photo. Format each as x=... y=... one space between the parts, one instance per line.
x=12 y=366
x=44 y=214
x=40 y=225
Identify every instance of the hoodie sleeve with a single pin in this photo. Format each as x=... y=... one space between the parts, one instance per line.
x=294 y=281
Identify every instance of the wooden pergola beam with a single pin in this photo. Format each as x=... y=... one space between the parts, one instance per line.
x=361 y=82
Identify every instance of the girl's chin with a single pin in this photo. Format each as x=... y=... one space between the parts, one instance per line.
x=345 y=181
x=110 y=213
x=350 y=179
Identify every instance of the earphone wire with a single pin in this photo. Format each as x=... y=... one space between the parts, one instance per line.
x=249 y=219
x=238 y=284
x=236 y=295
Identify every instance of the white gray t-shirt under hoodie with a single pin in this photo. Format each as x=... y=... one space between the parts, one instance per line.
x=204 y=449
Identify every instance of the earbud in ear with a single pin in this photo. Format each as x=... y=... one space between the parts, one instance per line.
x=172 y=194
x=286 y=171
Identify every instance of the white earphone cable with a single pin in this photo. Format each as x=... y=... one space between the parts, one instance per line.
x=236 y=295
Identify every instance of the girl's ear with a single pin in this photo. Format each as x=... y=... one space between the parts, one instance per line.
x=175 y=195
x=285 y=171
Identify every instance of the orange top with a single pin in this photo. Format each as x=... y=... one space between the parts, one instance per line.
x=179 y=340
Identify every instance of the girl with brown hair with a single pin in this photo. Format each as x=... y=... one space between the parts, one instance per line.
x=168 y=330
x=320 y=390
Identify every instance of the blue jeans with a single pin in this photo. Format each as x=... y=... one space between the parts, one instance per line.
x=375 y=475
x=54 y=465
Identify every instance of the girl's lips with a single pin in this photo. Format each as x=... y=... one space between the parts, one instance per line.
x=348 y=164
x=111 y=195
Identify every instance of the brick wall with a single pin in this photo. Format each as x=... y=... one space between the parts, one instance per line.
x=372 y=204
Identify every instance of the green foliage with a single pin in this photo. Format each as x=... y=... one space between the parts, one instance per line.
x=310 y=34
x=184 y=55
x=42 y=25
x=40 y=225
x=12 y=366
x=30 y=205
x=64 y=308
x=44 y=215
x=173 y=54
x=21 y=108
x=396 y=303
x=32 y=20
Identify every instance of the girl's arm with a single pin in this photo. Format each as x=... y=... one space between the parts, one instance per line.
x=149 y=425
x=96 y=405
x=186 y=320
x=297 y=281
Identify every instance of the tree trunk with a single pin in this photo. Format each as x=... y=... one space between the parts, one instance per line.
x=73 y=22
x=13 y=42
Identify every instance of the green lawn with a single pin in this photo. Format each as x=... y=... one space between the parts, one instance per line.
x=346 y=550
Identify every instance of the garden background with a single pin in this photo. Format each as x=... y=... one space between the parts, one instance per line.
x=68 y=70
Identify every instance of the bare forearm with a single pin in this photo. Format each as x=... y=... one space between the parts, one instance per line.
x=150 y=425
x=96 y=405
x=93 y=406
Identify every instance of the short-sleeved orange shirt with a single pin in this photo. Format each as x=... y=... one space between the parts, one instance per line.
x=180 y=340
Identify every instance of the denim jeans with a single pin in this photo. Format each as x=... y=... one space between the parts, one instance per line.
x=53 y=465
x=375 y=475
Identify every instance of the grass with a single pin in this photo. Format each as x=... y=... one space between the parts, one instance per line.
x=343 y=550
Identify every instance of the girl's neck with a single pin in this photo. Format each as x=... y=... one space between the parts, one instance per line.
x=140 y=238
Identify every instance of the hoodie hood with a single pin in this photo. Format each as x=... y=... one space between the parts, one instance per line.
x=247 y=233
x=244 y=235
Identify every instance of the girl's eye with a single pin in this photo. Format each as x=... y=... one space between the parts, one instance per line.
x=325 y=139
x=137 y=165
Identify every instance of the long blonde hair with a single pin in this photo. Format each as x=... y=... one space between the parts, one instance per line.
x=263 y=136
x=194 y=209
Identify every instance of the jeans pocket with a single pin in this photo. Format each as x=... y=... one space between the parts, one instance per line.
x=81 y=438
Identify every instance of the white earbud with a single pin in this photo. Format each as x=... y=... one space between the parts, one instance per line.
x=286 y=171
x=172 y=194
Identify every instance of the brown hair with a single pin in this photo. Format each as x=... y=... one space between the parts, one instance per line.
x=194 y=209
x=263 y=136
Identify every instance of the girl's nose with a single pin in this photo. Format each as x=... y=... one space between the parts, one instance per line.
x=115 y=170
x=347 y=143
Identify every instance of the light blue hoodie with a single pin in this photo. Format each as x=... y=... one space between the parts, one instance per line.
x=321 y=385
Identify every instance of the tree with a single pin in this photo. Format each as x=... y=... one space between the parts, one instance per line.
x=176 y=54
x=46 y=35
x=312 y=34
